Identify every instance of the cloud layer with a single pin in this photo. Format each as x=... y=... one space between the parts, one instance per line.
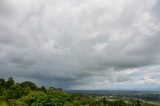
x=81 y=44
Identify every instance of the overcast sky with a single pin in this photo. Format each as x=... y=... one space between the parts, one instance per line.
x=81 y=44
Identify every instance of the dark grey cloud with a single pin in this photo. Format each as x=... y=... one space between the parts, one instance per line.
x=81 y=44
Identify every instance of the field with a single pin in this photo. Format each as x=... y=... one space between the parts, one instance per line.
x=150 y=97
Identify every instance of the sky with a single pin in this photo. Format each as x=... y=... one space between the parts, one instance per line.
x=81 y=44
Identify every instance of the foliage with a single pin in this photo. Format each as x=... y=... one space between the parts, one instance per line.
x=29 y=94
x=10 y=82
x=29 y=84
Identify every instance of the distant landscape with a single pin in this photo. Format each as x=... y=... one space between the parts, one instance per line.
x=152 y=97
x=29 y=94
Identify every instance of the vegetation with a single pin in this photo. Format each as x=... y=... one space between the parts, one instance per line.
x=29 y=94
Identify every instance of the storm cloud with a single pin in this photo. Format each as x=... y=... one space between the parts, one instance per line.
x=81 y=44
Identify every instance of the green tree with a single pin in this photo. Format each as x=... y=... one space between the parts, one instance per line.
x=43 y=89
x=2 y=82
x=138 y=103
x=10 y=82
x=29 y=84
x=104 y=101
x=76 y=103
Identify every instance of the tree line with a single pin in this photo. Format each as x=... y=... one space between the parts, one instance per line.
x=28 y=93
